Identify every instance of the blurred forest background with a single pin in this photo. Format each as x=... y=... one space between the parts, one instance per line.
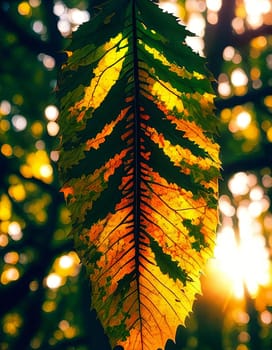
x=44 y=293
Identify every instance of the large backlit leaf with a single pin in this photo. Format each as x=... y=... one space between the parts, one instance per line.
x=139 y=167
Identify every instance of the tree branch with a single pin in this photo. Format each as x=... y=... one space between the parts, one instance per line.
x=217 y=36
x=251 y=162
x=252 y=95
x=239 y=40
x=31 y=41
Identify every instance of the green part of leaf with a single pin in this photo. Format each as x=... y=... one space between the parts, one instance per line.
x=165 y=127
x=195 y=231
x=167 y=265
x=168 y=170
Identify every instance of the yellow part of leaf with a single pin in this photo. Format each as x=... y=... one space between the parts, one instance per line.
x=91 y=186
x=180 y=71
x=195 y=133
x=107 y=130
x=178 y=154
x=166 y=93
x=156 y=303
x=105 y=74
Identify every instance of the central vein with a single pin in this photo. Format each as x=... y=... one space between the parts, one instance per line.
x=137 y=150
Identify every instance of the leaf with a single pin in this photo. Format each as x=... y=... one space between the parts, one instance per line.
x=139 y=167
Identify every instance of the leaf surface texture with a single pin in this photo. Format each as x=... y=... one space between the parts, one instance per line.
x=139 y=168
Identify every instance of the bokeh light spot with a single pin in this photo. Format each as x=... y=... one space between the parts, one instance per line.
x=3 y=240
x=38 y=27
x=268 y=101
x=19 y=122
x=239 y=77
x=46 y=170
x=5 y=107
x=11 y=258
x=9 y=275
x=11 y=323
x=37 y=129
x=214 y=5
x=228 y=53
x=53 y=281
x=51 y=112
x=49 y=306
x=243 y=120
x=6 y=150
x=14 y=230
x=17 y=192
x=269 y=134
x=266 y=317
x=5 y=208
x=24 y=9
x=52 y=128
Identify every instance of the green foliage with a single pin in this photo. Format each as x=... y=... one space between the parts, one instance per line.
x=36 y=316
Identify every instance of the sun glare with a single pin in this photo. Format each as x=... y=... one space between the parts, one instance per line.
x=245 y=259
x=241 y=253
